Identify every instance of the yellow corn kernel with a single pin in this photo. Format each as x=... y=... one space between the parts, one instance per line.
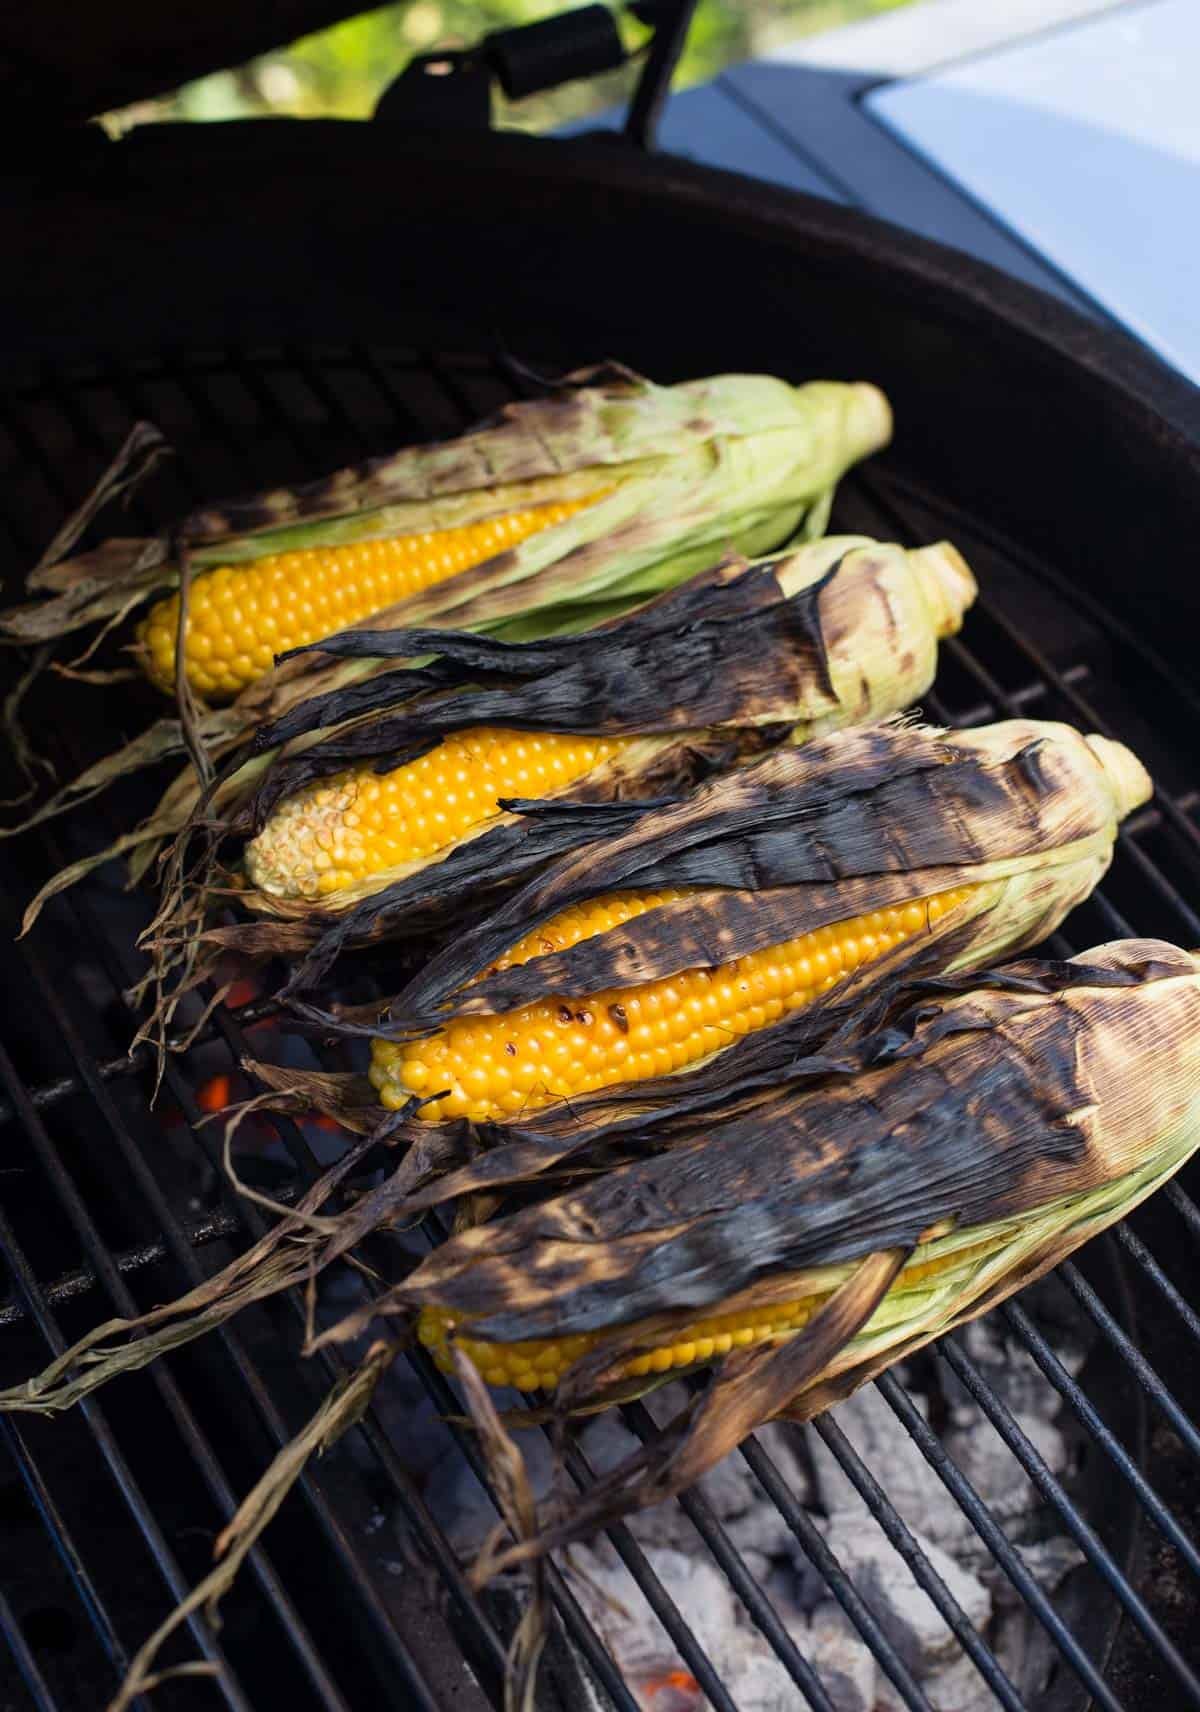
x=496 y=1066
x=241 y=616
x=341 y=831
x=539 y=1364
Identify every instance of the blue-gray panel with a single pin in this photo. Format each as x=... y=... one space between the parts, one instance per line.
x=710 y=124
x=1086 y=142
x=818 y=109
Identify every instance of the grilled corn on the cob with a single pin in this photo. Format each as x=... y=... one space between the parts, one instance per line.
x=861 y=854
x=1026 y=1110
x=608 y=492
x=877 y=615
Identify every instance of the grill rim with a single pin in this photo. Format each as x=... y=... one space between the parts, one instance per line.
x=245 y=161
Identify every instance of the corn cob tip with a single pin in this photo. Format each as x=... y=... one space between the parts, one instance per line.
x=870 y=418
x=946 y=582
x=1128 y=780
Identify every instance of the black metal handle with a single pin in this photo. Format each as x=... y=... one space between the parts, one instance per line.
x=454 y=88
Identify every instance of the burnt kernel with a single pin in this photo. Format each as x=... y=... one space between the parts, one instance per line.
x=584 y=1018
x=617 y=1013
x=509 y=1049
x=564 y=1015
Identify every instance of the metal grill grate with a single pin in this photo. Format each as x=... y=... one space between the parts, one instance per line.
x=108 y=1208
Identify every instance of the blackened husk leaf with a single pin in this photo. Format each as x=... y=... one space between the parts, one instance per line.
x=963 y=1106
x=726 y=648
x=501 y=855
x=849 y=818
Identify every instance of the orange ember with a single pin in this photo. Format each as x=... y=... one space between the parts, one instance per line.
x=674 y=1682
x=214 y=1096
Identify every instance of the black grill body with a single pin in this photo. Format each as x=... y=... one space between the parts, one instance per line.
x=330 y=292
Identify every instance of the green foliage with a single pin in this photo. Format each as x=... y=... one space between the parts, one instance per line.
x=342 y=71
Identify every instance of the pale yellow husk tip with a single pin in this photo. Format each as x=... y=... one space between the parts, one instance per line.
x=946 y=583
x=1131 y=784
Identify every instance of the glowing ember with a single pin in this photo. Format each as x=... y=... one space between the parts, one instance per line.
x=214 y=1096
x=674 y=1691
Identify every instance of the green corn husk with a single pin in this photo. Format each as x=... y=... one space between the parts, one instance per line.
x=902 y=1186
x=745 y=460
x=1025 y=813
x=733 y=462
x=843 y=631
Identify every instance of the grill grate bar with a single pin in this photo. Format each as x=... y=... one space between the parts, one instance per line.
x=43 y=1500
x=140 y=1057
x=189 y=1429
x=486 y=1640
x=576 y=1623
x=1147 y=1377
x=815 y=1548
x=218 y=1225
x=993 y=1536
x=1077 y=1399
x=1184 y=1206
x=326 y=396
x=898 y=1535
x=114 y=1459
x=762 y=1612
x=1136 y=1248
x=1052 y=1491
x=664 y=1607
x=24 y=1660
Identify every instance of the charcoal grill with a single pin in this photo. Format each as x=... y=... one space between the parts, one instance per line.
x=330 y=291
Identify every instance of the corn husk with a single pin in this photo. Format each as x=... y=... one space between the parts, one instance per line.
x=840 y=632
x=992 y=1122
x=1024 y=812
x=741 y=462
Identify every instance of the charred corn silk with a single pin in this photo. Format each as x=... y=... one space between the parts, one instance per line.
x=241 y=616
x=484 y=1067
x=342 y=831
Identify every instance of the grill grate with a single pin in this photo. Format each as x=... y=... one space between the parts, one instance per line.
x=107 y=1210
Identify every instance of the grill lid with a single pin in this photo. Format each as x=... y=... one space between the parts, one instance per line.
x=67 y=60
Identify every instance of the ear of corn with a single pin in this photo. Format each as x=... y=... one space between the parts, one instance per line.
x=617 y=489
x=871 y=851
x=1026 y=1111
x=873 y=615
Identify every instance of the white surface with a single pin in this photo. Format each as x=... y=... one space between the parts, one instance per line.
x=917 y=37
x=1086 y=142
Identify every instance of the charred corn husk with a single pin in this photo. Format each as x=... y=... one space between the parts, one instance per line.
x=637 y=963
x=1023 y=1112
x=607 y=491
x=841 y=632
